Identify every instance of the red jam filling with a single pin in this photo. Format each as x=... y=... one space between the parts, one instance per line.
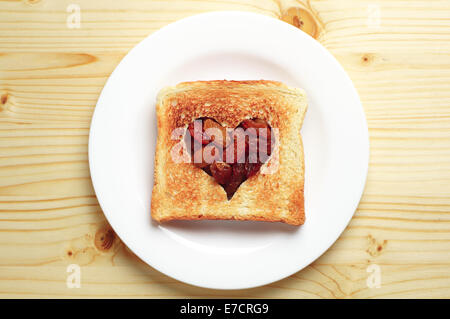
x=230 y=156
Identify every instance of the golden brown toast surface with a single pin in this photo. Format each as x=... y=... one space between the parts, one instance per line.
x=183 y=191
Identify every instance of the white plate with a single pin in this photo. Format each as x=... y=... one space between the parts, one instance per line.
x=237 y=46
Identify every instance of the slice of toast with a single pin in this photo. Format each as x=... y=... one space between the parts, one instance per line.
x=183 y=191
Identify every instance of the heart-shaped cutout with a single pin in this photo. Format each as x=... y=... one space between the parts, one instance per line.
x=229 y=155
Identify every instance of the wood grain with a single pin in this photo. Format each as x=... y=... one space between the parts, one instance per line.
x=51 y=77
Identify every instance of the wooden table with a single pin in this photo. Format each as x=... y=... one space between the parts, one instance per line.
x=51 y=73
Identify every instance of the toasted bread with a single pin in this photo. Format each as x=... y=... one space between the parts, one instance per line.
x=183 y=191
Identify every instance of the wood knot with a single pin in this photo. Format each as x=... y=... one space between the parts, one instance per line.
x=375 y=248
x=104 y=238
x=4 y=98
x=367 y=59
x=302 y=19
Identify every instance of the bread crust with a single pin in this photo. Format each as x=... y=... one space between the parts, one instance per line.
x=183 y=191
